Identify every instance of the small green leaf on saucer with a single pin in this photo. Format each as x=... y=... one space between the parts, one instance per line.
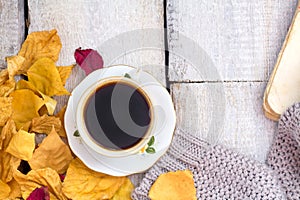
x=127 y=75
x=151 y=141
x=76 y=133
x=150 y=150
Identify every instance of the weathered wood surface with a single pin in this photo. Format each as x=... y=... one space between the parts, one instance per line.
x=11 y=28
x=239 y=119
x=242 y=38
x=235 y=44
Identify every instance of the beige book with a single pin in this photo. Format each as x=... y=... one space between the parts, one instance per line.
x=283 y=89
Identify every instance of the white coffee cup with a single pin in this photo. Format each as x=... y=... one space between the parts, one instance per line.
x=88 y=135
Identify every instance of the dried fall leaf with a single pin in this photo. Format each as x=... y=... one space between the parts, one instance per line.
x=6 y=133
x=43 y=111
x=7 y=161
x=7 y=165
x=37 y=178
x=64 y=72
x=171 y=184
x=53 y=153
x=61 y=116
x=21 y=145
x=14 y=64
x=124 y=193
x=48 y=101
x=4 y=190
x=25 y=106
x=22 y=84
x=44 y=75
x=7 y=87
x=24 y=126
x=3 y=76
x=38 y=45
x=88 y=59
x=45 y=123
x=5 y=84
x=15 y=192
x=84 y=183
x=5 y=109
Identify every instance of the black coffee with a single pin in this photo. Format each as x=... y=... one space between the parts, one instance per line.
x=117 y=116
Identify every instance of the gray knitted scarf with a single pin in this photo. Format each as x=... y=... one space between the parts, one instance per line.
x=222 y=174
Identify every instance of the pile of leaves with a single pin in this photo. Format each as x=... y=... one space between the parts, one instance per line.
x=47 y=170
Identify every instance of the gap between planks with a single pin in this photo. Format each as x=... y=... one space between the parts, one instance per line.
x=226 y=81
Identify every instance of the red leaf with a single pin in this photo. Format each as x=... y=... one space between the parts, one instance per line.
x=88 y=59
x=41 y=193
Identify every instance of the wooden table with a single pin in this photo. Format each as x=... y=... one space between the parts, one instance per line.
x=230 y=45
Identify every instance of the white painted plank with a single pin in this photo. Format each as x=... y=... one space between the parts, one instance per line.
x=244 y=129
x=241 y=38
x=11 y=29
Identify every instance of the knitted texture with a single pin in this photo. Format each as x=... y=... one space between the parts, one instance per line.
x=218 y=173
x=284 y=155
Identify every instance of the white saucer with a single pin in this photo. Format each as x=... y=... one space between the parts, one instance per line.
x=163 y=129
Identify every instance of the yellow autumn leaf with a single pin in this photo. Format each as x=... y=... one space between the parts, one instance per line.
x=38 y=178
x=7 y=87
x=124 y=193
x=53 y=153
x=5 y=109
x=25 y=105
x=23 y=126
x=6 y=133
x=48 y=101
x=84 y=183
x=15 y=192
x=171 y=184
x=39 y=45
x=21 y=145
x=7 y=161
x=45 y=123
x=61 y=116
x=43 y=111
x=4 y=190
x=22 y=84
x=3 y=76
x=44 y=75
x=64 y=72
x=14 y=65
